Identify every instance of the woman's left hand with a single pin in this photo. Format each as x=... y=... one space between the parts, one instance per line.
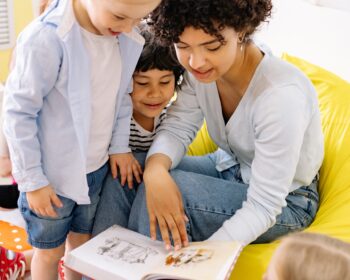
x=165 y=206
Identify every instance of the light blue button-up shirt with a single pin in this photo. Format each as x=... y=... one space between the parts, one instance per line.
x=47 y=104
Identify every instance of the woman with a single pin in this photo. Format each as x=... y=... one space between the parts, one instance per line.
x=260 y=111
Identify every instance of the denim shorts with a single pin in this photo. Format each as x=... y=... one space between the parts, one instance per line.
x=47 y=232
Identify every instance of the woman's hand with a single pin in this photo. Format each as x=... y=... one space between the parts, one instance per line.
x=128 y=168
x=164 y=203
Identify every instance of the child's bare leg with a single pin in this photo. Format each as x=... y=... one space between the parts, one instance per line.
x=45 y=263
x=28 y=256
x=74 y=240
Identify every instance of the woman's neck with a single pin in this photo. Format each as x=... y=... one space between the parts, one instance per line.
x=242 y=71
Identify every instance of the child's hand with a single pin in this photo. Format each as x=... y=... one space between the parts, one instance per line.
x=41 y=200
x=5 y=166
x=128 y=166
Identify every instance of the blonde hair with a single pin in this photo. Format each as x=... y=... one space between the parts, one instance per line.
x=307 y=256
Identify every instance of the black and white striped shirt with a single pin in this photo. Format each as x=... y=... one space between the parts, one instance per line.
x=140 y=138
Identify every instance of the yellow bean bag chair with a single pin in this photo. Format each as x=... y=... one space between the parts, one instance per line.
x=333 y=216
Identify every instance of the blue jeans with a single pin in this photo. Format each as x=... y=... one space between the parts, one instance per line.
x=48 y=232
x=211 y=197
x=115 y=201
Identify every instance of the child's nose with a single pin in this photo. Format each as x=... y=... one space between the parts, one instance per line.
x=155 y=91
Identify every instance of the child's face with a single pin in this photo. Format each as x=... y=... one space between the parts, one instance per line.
x=152 y=91
x=112 y=17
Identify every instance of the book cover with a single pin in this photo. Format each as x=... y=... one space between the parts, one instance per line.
x=121 y=254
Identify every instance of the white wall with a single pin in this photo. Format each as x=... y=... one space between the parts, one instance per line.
x=343 y=5
x=312 y=32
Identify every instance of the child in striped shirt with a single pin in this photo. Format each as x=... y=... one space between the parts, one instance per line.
x=156 y=77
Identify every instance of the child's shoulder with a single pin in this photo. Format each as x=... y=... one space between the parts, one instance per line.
x=38 y=33
x=46 y=26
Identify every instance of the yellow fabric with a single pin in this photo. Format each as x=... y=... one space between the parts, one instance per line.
x=333 y=216
x=23 y=14
x=202 y=144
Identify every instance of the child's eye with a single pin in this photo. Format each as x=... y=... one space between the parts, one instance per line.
x=165 y=82
x=141 y=84
x=118 y=17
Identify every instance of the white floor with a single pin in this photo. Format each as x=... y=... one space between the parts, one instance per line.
x=13 y=217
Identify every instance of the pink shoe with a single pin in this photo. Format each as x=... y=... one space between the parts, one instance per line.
x=12 y=264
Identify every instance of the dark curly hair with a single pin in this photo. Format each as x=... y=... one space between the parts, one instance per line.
x=157 y=56
x=171 y=17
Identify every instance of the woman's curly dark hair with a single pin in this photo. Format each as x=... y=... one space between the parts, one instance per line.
x=171 y=17
x=157 y=56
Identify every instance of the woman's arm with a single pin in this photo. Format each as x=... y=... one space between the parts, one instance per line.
x=26 y=88
x=280 y=119
x=164 y=200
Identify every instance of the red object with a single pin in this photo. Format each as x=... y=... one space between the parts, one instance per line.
x=12 y=264
x=60 y=269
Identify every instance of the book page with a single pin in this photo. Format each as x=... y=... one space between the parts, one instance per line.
x=200 y=260
x=117 y=253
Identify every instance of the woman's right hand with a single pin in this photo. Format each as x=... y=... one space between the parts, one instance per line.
x=164 y=202
x=40 y=201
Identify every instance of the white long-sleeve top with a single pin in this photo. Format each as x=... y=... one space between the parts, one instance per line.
x=274 y=134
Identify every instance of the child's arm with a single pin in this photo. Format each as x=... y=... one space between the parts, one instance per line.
x=38 y=59
x=121 y=130
x=5 y=163
x=128 y=167
x=5 y=166
x=119 y=150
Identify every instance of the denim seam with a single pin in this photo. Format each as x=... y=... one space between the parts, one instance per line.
x=83 y=231
x=46 y=245
x=213 y=211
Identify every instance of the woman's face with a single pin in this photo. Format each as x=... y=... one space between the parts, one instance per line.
x=204 y=55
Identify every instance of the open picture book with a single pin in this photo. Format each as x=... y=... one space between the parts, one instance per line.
x=119 y=253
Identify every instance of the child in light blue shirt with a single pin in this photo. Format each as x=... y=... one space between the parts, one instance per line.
x=67 y=111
